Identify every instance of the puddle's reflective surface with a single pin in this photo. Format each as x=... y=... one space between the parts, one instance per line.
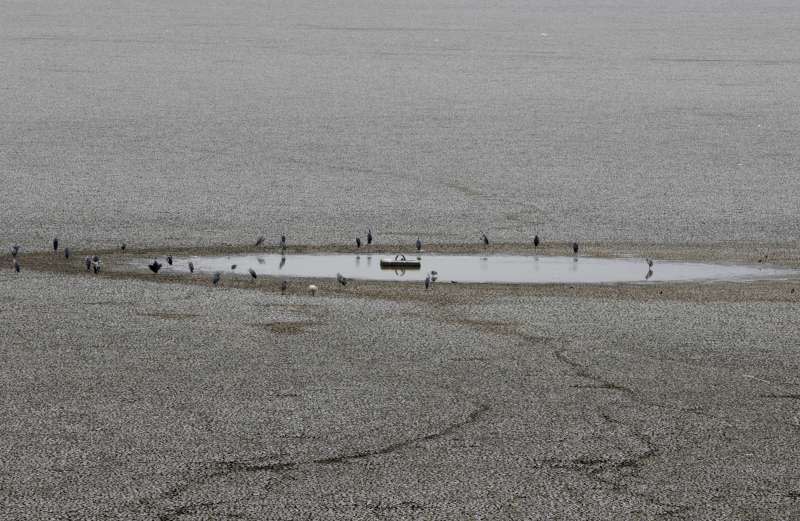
x=473 y=268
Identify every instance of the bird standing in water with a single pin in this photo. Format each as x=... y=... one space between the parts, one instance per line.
x=191 y=267
x=154 y=266
x=283 y=242
x=217 y=276
x=169 y=260
x=253 y=273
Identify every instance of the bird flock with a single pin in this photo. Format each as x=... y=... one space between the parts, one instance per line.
x=93 y=263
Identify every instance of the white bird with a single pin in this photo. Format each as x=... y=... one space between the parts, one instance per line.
x=312 y=289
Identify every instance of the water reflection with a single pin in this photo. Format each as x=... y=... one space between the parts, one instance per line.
x=497 y=268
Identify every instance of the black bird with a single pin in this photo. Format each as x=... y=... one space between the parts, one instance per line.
x=216 y=278
x=419 y=244
x=649 y=262
x=282 y=263
x=16 y=266
x=284 y=285
x=536 y=241
x=95 y=258
x=575 y=248
x=485 y=240
x=342 y=280
x=233 y=267
x=191 y=267
x=283 y=242
x=55 y=244
x=123 y=246
x=66 y=253
x=649 y=274
x=358 y=242
x=88 y=262
x=369 y=237
x=428 y=281
x=253 y=273
x=14 y=250
x=260 y=240
x=96 y=266
x=434 y=275
x=155 y=266
x=169 y=260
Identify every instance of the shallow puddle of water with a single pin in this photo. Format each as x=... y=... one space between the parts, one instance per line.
x=514 y=269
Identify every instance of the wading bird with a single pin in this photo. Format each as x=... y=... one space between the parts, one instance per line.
x=485 y=240
x=16 y=266
x=169 y=260
x=419 y=244
x=649 y=262
x=155 y=266
x=14 y=250
x=233 y=267
x=428 y=281
x=216 y=278
x=123 y=246
x=312 y=289
x=649 y=274
x=55 y=244
x=358 y=242
x=66 y=253
x=434 y=275
x=282 y=262
x=191 y=267
x=341 y=278
x=575 y=248
x=369 y=237
x=536 y=241
x=283 y=242
x=253 y=273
